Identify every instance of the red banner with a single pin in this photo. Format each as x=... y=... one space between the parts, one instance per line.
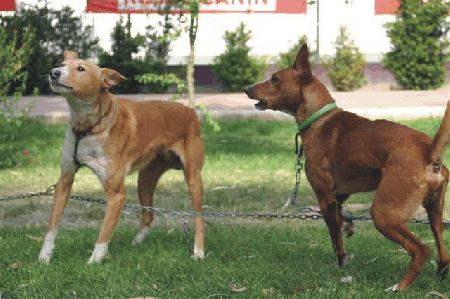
x=384 y=7
x=210 y=6
x=7 y=5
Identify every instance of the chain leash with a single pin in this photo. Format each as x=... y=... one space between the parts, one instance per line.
x=298 y=168
x=186 y=235
x=302 y=213
x=47 y=192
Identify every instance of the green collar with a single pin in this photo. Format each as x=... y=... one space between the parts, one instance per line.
x=315 y=116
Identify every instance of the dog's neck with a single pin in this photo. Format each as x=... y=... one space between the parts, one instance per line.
x=87 y=114
x=315 y=96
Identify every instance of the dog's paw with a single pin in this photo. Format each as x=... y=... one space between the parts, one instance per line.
x=442 y=270
x=141 y=236
x=199 y=254
x=349 y=229
x=99 y=253
x=395 y=288
x=46 y=253
x=344 y=260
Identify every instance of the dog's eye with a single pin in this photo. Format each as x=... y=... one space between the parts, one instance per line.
x=274 y=80
x=81 y=69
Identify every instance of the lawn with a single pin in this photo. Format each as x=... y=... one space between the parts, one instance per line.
x=249 y=166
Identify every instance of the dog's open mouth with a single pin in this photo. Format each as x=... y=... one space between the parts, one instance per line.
x=261 y=105
x=56 y=86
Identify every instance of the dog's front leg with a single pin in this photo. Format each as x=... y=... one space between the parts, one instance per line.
x=62 y=191
x=329 y=210
x=115 y=195
x=322 y=182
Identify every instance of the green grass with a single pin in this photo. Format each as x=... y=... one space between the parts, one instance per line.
x=247 y=163
x=249 y=166
x=279 y=260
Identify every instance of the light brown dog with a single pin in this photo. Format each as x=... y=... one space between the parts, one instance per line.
x=346 y=154
x=114 y=136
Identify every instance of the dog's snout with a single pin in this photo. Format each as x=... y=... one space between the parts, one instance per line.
x=55 y=74
x=249 y=90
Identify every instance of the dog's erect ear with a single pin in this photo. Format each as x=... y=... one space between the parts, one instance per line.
x=301 y=64
x=69 y=55
x=110 y=77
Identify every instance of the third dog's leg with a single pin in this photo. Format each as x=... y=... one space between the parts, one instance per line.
x=115 y=194
x=147 y=180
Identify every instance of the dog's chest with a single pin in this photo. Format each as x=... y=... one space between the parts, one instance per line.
x=89 y=152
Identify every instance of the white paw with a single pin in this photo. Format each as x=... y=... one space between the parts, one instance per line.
x=347 y=259
x=394 y=288
x=46 y=253
x=141 y=235
x=198 y=254
x=99 y=253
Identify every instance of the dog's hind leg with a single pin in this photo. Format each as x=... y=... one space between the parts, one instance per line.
x=396 y=200
x=434 y=207
x=147 y=180
x=194 y=158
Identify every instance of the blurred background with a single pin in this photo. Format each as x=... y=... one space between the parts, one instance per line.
x=142 y=36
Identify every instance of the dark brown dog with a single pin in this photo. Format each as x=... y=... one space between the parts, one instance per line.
x=346 y=154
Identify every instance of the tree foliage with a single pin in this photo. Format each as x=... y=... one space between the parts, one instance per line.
x=419 y=44
x=123 y=49
x=13 y=59
x=236 y=68
x=54 y=31
x=286 y=59
x=346 y=68
x=142 y=58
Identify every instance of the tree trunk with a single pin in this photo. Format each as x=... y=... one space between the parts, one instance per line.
x=191 y=61
x=190 y=74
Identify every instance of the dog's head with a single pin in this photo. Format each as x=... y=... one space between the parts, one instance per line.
x=284 y=90
x=81 y=78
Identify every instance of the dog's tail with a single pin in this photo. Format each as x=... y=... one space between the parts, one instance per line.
x=441 y=138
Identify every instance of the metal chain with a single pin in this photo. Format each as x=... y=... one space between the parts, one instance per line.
x=302 y=213
x=47 y=192
x=298 y=168
x=186 y=235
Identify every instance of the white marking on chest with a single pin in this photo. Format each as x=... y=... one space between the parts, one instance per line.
x=91 y=154
x=82 y=111
x=67 y=162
